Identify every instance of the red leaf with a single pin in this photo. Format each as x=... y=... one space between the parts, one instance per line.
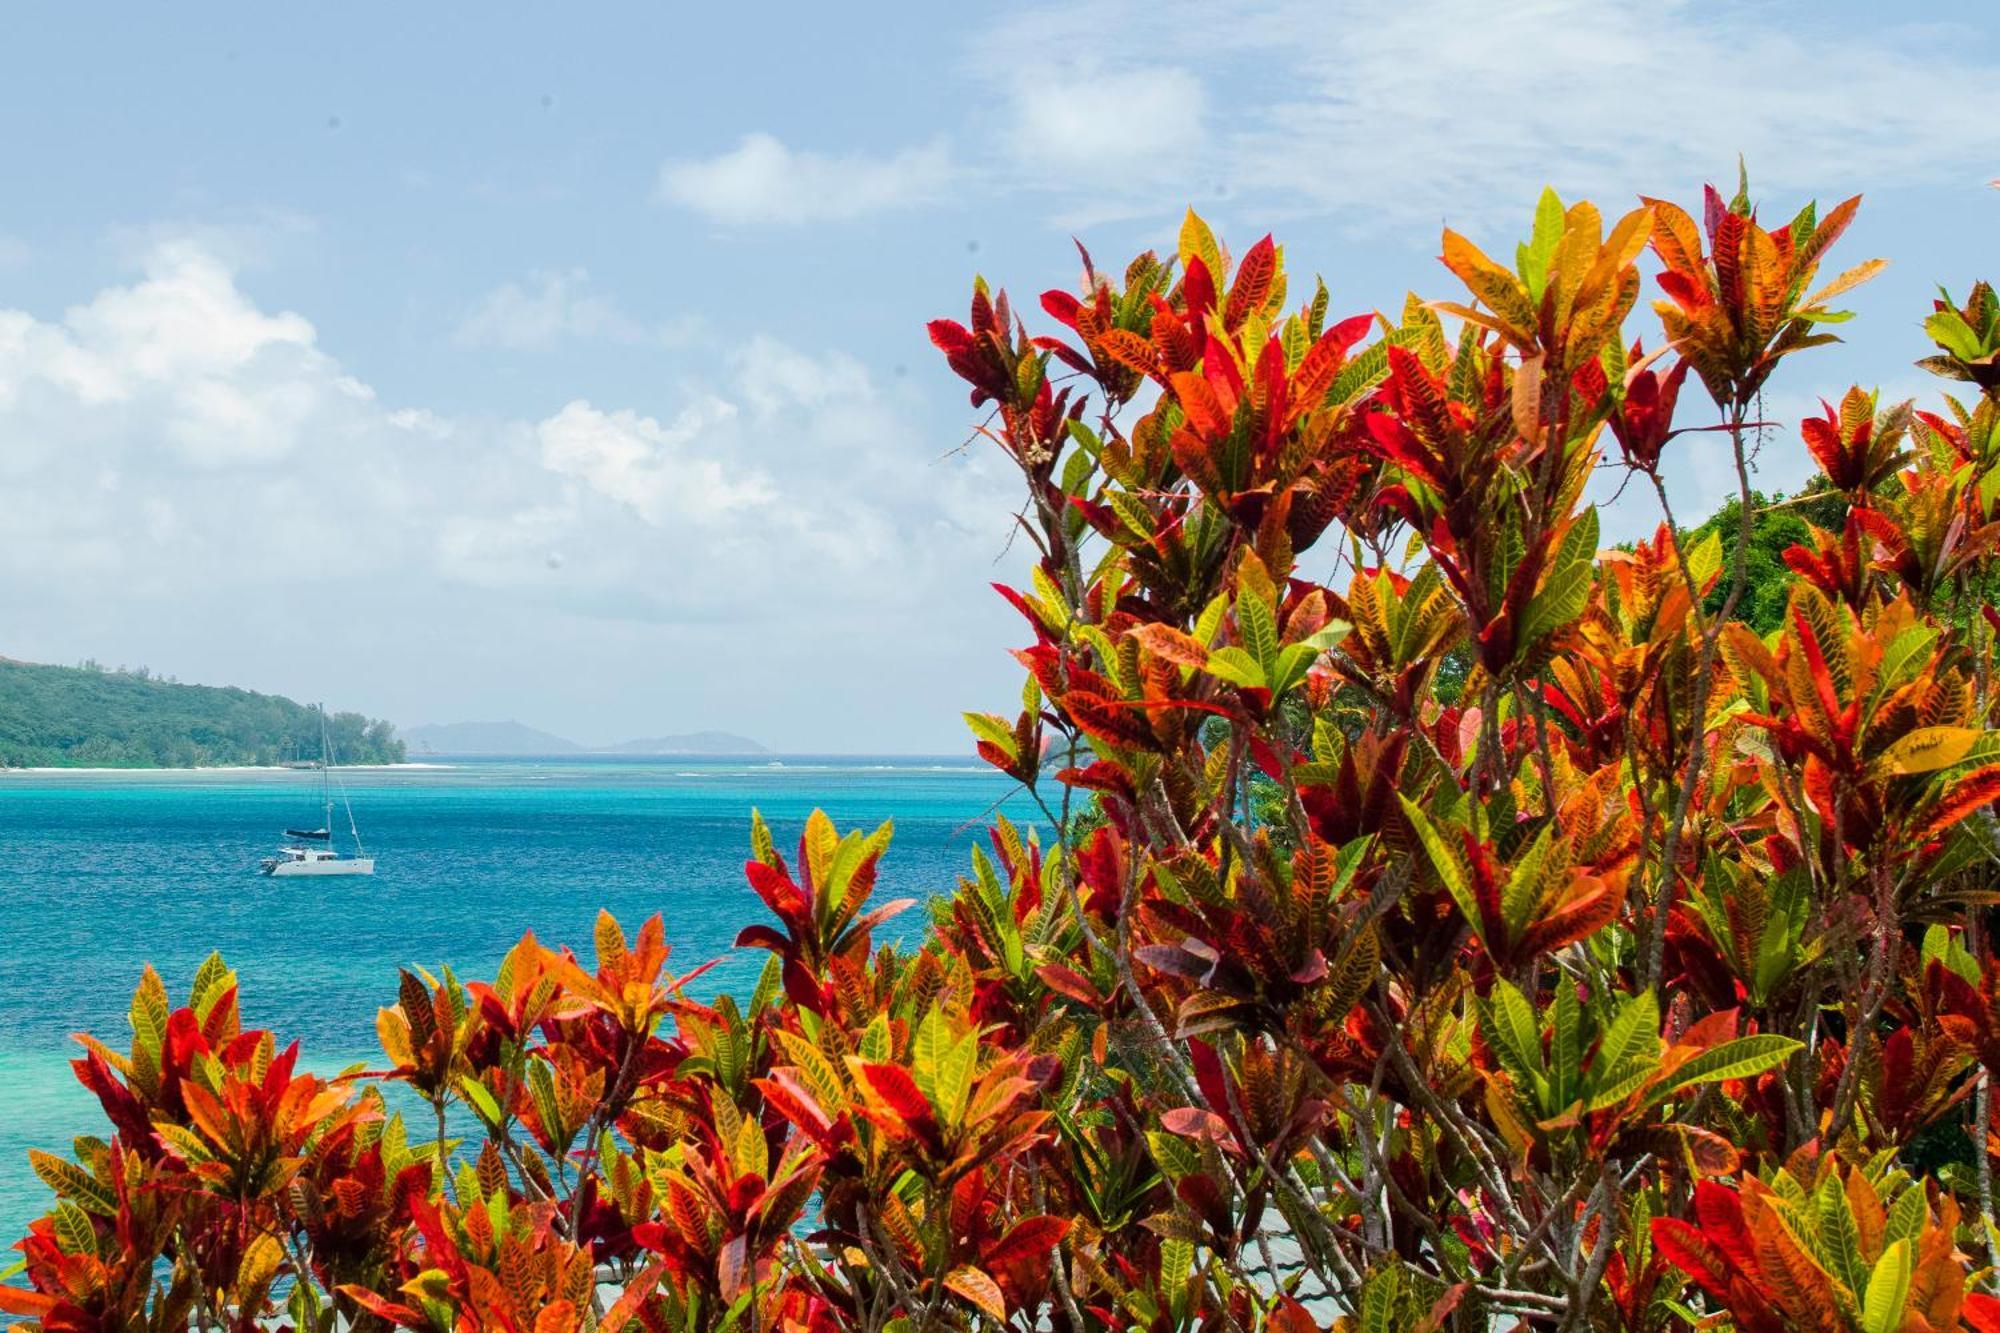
x=1064 y=981
x=1291 y=1317
x=1252 y=285
x=896 y=1102
x=1028 y=1239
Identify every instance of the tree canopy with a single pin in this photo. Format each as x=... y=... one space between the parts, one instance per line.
x=87 y=716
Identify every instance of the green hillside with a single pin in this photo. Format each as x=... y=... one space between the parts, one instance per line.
x=89 y=717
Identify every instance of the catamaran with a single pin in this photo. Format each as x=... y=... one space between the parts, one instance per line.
x=311 y=851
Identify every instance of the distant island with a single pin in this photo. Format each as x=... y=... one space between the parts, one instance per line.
x=484 y=738
x=492 y=738
x=90 y=716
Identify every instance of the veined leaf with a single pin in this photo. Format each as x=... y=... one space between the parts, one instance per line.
x=1328 y=636
x=1740 y=1058
x=1259 y=630
x=1888 y=1290
x=1839 y=1238
x=1198 y=242
x=1235 y=666
x=1634 y=1032
x=1928 y=749
x=1450 y=868
x=993 y=728
x=1510 y=1024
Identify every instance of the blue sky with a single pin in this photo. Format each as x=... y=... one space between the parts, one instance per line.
x=568 y=365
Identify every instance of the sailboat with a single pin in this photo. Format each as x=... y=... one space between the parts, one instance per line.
x=311 y=851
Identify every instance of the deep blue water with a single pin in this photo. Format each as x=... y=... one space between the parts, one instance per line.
x=102 y=873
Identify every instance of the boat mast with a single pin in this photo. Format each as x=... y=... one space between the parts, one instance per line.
x=325 y=777
x=326 y=764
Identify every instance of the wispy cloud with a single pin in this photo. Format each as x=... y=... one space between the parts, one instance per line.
x=763 y=182
x=1460 y=105
x=553 y=305
x=1089 y=122
x=169 y=433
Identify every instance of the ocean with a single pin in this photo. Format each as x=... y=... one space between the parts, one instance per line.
x=104 y=872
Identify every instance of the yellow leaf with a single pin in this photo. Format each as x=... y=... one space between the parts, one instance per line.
x=981 y=1290
x=394 y=1033
x=1198 y=242
x=1846 y=282
x=1927 y=749
x=260 y=1264
x=1506 y=1117
x=1528 y=398
x=1499 y=289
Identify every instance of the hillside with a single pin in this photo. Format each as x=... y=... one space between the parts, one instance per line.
x=485 y=738
x=88 y=717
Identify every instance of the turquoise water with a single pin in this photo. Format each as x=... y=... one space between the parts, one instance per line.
x=102 y=873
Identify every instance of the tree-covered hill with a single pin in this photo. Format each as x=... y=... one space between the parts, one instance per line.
x=88 y=716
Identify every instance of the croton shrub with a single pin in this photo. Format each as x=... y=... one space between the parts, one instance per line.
x=1434 y=919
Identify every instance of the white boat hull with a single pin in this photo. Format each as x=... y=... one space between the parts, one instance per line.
x=346 y=865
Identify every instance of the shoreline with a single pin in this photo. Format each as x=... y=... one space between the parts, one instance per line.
x=223 y=768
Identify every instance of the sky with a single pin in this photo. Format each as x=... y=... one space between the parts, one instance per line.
x=566 y=363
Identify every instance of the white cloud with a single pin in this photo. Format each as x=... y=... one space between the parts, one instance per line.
x=169 y=434
x=553 y=305
x=771 y=376
x=654 y=470
x=1092 y=123
x=1462 y=107
x=222 y=381
x=761 y=181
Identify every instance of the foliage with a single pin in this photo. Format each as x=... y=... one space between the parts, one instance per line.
x=1502 y=932
x=59 y=717
x=1778 y=523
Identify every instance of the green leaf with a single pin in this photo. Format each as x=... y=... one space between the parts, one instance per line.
x=73 y=1230
x=1839 y=1238
x=1906 y=1216
x=1784 y=921
x=1564 y=592
x=480 y=1098
x=1739 y=1058
x=954 y=1078
x=1329 y=636
x=1522 y=892
x=1705 y=560
x=1450 y=869
x=1198 y=242
x=1133 y=514
x=211 y=981
x=1210 y=619
x=150 y=1011
x=1370 y=366
x=994 y=729
x=1259 y=630
x=877 y=1041
x=1235 y=666
x=1619 y=1081
x=1888 y=1290
x=1948 y=329
x=71 y=1181
x=1533 y=258
x=1381 y=1294
x=1633 y=1034
x=1566 y=1044
x=1294 y=660
x=1509 y=1024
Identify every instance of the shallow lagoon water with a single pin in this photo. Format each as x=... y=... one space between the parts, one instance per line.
x=102 y=873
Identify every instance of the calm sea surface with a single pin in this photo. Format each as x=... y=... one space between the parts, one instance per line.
x=101 y=873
